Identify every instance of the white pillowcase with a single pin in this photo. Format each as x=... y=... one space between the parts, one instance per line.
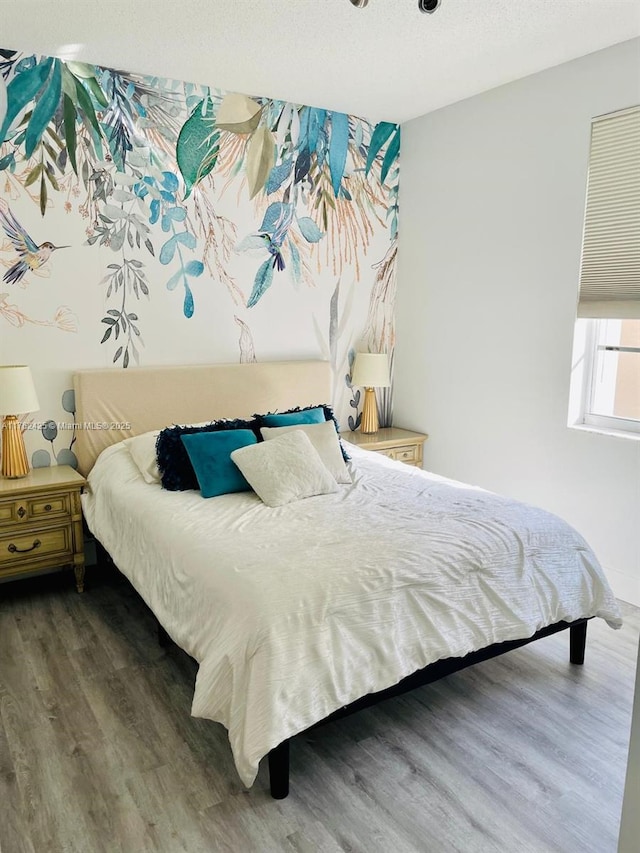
x=285 y=469
x=325 y=440
x=143 y=452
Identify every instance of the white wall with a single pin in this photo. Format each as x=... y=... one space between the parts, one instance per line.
x=492 y=204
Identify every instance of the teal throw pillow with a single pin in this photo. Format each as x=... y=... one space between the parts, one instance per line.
x=305 y=416
x=210 y=455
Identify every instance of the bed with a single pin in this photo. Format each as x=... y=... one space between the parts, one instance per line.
x=301 y=613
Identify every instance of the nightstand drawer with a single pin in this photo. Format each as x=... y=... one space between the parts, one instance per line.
x=409 y=453
x=49 y=506
x=8 y=512
x=55 y=505
x=32 y=546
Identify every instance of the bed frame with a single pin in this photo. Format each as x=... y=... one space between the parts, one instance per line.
x=279 y=757
x=112 y=405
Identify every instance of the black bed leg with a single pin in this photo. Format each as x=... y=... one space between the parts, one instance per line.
x=279 y=771
x=577 y=642
x=163 y=638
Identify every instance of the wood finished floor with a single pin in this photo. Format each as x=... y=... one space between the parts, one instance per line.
x=98 y=752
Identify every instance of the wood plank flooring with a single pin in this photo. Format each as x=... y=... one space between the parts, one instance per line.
x=99 y=754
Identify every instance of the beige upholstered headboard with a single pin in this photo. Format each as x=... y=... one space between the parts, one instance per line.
x=150 y=398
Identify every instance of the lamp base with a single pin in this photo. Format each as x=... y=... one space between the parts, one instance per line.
x=14 y=455
x=369 y=422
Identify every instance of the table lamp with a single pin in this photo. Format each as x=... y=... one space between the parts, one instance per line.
x=370 y=370
x=17 y=396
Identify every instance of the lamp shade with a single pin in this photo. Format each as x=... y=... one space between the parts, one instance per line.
x=17 y=392
x=371 y=370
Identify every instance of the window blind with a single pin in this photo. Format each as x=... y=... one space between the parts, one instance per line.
x=610 y=268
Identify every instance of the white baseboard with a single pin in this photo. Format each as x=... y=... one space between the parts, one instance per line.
x=624 y=586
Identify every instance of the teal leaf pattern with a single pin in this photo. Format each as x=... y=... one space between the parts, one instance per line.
x=197 y=147
x=338 y=149
x=262 y=282
x=380 y=135
x=22 y=90
x=309 y=229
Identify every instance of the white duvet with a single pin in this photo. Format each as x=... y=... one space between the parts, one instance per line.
x=296 y=611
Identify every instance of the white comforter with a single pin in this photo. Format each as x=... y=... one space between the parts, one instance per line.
x=296 y=611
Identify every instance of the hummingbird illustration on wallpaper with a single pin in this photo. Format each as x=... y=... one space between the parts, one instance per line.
x=32 y=256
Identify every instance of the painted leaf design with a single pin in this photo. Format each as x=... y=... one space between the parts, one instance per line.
x=283 y=125
x=338 y=149
x=168 y=251
x=81 y=69
x=69 y=117
x=253 y=243
x=174 y=280
x=43 y=195
x=309 y=229
x=316 y=122
x=261 y=155
x=294 y=127
x=303 y=164
x=380 y=135
x=96 y=91
x=358 y=136
x=303 y=140
x=188 y=305
x=197 y=146
x=66 y=456
x=40 y=459
x=69 y=401
x=262 y=282
x=86 y=107
x=8 y=161
x=34 y=174
x=279 y=174
x=194 y=268
x=238 y=114
x=3 y=99
x=390 y=156
x=296 y=265
x=187 y=239
x=69 y=84
x=22 y=90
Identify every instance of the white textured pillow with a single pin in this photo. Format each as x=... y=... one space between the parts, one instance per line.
x=285 y=469
x=143 y=452
x=325 y=440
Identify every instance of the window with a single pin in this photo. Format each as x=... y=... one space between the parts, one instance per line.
x=612 y=397
x=606 y=368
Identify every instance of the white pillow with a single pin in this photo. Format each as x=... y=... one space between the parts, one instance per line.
x=325 y=440
x=284 y=469
x=143 y=452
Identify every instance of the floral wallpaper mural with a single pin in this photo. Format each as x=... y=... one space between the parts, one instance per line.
x=149 y=221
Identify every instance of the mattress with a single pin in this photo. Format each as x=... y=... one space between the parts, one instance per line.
x=295 y=611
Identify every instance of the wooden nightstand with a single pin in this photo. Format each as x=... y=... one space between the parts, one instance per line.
x=41 y=523
x=401 y=444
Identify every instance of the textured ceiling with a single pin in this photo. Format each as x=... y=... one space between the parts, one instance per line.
x=386 y=61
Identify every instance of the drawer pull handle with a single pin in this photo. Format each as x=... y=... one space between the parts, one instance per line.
x=13 y=549
x=48 y=507
x=22 y=512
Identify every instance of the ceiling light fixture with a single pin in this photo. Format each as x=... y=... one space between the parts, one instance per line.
x=427 y=6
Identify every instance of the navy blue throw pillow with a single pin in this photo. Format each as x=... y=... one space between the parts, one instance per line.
x=176 y=470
